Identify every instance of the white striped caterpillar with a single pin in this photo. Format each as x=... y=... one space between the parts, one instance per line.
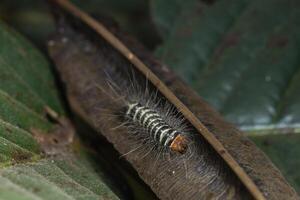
x=146 y=114
x=156 y=126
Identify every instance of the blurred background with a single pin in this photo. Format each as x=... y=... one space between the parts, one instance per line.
x=240 y=56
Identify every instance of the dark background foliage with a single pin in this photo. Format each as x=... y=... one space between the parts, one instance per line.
x=240 y=56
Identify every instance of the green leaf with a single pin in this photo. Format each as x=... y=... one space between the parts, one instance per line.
x=284 y=151
x=58 y=178
x=164 y=18
x=16 y=145
x=35 y=79
x=26 y=87
x=244 y=60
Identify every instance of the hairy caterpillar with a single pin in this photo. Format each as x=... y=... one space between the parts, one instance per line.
x=159 y=130
x=146 y=113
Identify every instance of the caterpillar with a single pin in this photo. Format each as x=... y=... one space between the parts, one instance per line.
x=158 y=129
x=148 y=116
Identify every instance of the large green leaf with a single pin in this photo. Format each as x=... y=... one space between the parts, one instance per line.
x=241 y=56
x=26 y=88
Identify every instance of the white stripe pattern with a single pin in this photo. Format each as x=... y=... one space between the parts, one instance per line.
x=152 y=122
